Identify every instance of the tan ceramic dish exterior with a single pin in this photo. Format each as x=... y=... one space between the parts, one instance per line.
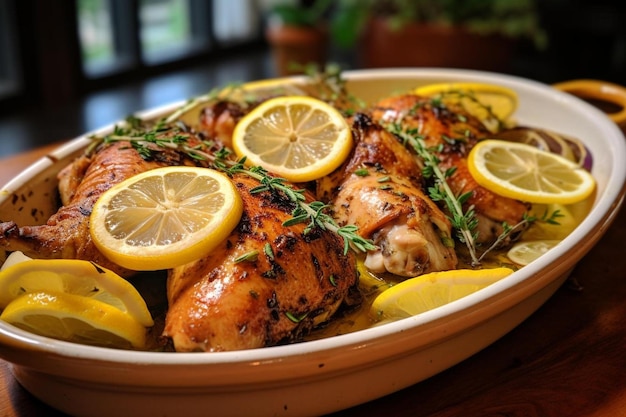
x=327 y=375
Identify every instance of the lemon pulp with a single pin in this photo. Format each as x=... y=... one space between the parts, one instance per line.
x=426 y=292
x=165 y=217
x=492 y=104
x=523 y=253
x=75 y=277
x=298 y=138
x=75 y=318
x=523 y=172
x=72 y=300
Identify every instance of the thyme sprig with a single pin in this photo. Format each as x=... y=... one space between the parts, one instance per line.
x=488 y=121
x=192 y=103
x=162 y=135
x=316 y=212
x=328 y=85
x=223 y=92
x=527 y=220
x=296 y=319
x=464 y=222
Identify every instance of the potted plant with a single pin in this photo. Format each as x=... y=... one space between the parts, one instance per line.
x=298 y=35
x=478 y=34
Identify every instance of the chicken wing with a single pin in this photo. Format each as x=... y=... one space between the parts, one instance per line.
x=264 y=285
x=454 y=132
x=66 y=233
x=379 y=189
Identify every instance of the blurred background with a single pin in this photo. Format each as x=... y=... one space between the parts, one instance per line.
x=71 y=66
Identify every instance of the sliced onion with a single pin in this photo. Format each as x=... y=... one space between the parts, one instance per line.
x=566 y=146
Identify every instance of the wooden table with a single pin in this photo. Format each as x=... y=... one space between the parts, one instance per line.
x=567 y=359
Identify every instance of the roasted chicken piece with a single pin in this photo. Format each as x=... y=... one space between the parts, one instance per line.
x=264 y=285
x=66 y=233
x=379 y=189
x=456 y=132
x=218 y=120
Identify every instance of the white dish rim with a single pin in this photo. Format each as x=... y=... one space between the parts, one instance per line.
x=360 y=339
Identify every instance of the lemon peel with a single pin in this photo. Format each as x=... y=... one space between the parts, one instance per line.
x=298 y=138
x=426 y=292
x=75 y=277
x=523 y=172
x=492 y=104
x=165 y=217
x=523 y=253
x=75 y=318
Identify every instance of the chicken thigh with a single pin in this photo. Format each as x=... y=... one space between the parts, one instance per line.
x=66 y=233
x=266 y=284
x=379 y=190
x=454 y=132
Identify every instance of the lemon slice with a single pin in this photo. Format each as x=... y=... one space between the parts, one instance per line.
x=429 y=291
x=75 y=318
x=165 y=217
x=490 y=103
x=523 y=172
x=523 y=253
x=266 y=88
x=251 y=91
x=295 y=137
x=75 y=277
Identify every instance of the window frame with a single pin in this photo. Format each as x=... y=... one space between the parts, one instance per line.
x=127 y=41
x=11 y=81
x=52 y=69
x=202 y=39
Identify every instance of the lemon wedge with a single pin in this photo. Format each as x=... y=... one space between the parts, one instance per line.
x=523 y=253
x=523 y=172
x=426 y=292
x=298 y=138
x=492 y=104
x=74 y=277
x=165 y=217
x=75 y=318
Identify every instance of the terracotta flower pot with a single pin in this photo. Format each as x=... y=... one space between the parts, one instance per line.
x=299 y=45
x=422 y=45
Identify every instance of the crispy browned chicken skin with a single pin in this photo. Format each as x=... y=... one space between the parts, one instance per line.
x=457 y=132
x=379 y=189
x=66 y=233
x=218 y=303
x=218 y=120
